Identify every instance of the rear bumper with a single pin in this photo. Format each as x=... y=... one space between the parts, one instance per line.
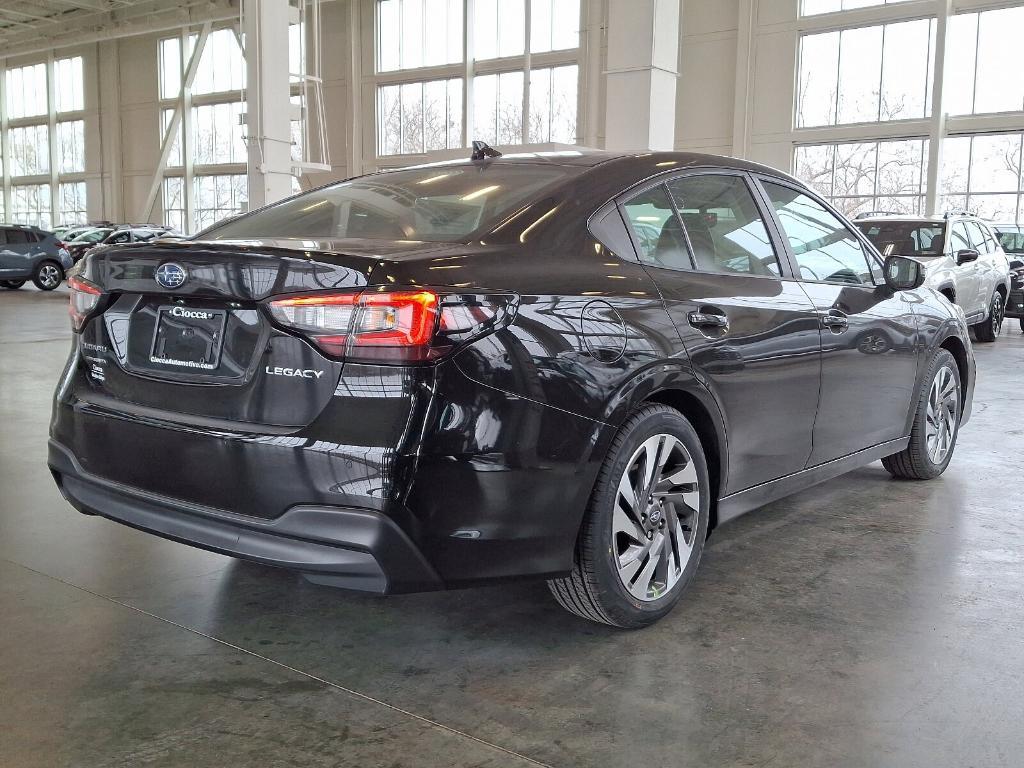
x=350 y=548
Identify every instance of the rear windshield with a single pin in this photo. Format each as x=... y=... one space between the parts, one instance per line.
x=1012 y=242
x=905 y=238
x=435 y=204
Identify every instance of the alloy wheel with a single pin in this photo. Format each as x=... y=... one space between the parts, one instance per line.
x=942 y=414
x=997 y=314
x=49 y=276
x=655 y=517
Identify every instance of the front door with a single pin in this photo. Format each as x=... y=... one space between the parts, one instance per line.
x=750 y=331
x=868 y=333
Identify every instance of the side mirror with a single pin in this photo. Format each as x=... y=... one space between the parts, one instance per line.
x=966 y=256
x=903 y=274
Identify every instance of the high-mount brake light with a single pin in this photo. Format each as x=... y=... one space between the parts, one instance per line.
x=85 y=297
x=403 y=326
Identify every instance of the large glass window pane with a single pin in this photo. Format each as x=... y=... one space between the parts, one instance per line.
x=724 y=227
x=995 y=163
x=860 y=66
x=419 y=117
x=498 y=108
x=418 y=33
x=961 y=65
x=217 y=135
x=1000 y=78
x=867 y=176
x=174 y=203
x=174 y=158
x=982 y=174
x=553 y=105
x=825 y=250
x=26 y=91
x=29 y=148
x=30 y=204
x=999 y=208
x=71 y=146
x=222 y=66
x=554 y=25
x=71 y=203
x=906 y=69
x=219 y=196
x=68 y=84
x=170 y=67
x=819 y=72
x=499 y=28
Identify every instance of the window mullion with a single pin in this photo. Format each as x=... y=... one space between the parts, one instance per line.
x=527 y=44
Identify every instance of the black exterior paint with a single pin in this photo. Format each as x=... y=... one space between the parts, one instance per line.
x=485 y=460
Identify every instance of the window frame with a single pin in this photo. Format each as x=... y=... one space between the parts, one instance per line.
x=663 y=179
x=867 y=248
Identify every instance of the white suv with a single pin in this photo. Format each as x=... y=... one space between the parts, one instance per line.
x=962 y=257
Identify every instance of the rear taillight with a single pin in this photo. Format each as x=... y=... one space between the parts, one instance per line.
x=412 y=326
x=85 y=297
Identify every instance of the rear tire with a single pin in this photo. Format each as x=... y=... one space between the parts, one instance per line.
x=11 y=285
x=48 y=275
x=645 y=526
x=988 y=330
x=936 y=423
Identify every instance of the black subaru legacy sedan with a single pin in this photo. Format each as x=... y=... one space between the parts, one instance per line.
x=568 y=366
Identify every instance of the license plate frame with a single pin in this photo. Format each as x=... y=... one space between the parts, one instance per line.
x=175 y=323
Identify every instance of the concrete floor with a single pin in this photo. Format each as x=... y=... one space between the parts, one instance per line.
x=866 y=622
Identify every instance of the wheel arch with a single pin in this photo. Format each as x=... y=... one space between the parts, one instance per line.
x=955 y=347
x=948 y=290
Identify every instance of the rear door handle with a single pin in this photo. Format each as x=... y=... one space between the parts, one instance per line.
x=835 y=321
x=707 y=320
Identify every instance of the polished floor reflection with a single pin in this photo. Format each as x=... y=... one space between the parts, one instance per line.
x=863 y=622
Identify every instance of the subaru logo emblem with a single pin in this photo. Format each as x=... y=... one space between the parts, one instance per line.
x=655 y=515
x=171 y=275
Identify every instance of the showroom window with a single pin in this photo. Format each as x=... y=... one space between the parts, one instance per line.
x=219 y=196
x=44 y=143
x=867 y=176
x=983 y=67
x=71 y=206
x=866 y=74
x=815 y=7
x=516 y=98
x=982 y=174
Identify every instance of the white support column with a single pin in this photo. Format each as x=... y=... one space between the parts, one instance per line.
x=743 y=102
x=268 y=103
x=937 y=132
x=643 y=59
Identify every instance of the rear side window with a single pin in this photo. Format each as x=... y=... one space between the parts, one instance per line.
x=659 y=234
x=17 y=236
x=725 y=228
x=825 y=250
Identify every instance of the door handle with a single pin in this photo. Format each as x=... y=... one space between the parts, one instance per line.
x=707 y=320
x=835 y=321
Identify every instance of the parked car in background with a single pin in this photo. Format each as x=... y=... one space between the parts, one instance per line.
x=480 y=370
x=962 y=257
x=1011 y=237
x=30 y=253
x=117 y=235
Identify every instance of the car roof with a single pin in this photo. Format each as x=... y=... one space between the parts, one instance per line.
x=591 y=158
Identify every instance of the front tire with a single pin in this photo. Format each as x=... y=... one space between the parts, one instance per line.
x=645 y=526
x=936 y=424
x=48 y=275
x=11 y=285
x=988 y=330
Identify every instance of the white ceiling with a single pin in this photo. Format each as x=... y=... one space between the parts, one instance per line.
x=29 y=26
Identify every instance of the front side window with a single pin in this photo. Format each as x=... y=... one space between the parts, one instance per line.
x=825 y=250
x=659 y=235
x=977 y=237
x=434 y=204
x=958 y=239
x=725 y=229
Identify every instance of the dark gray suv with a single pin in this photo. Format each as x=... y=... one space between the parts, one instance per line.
x=30 y=253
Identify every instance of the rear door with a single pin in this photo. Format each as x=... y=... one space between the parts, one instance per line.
x=868 y=334
x=749 y=329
